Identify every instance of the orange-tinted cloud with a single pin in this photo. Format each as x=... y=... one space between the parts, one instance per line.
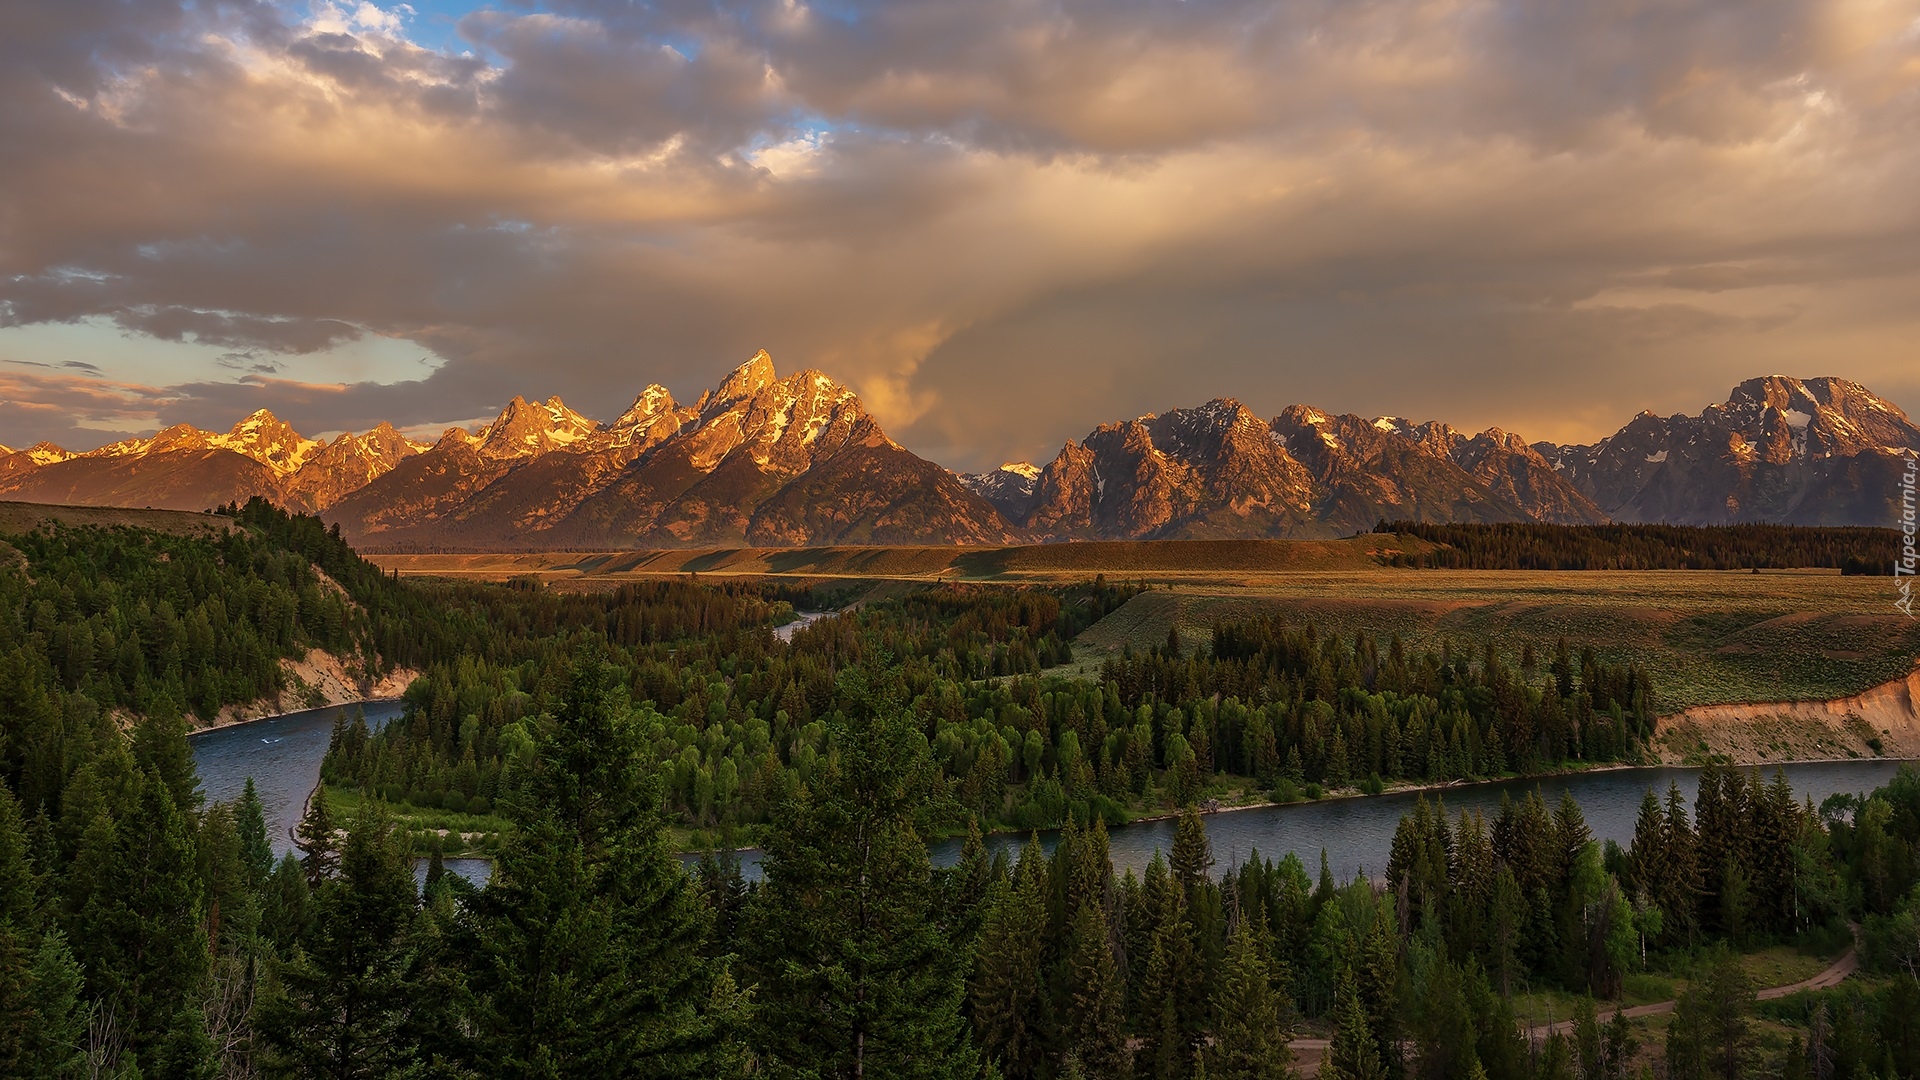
x=1005 y=221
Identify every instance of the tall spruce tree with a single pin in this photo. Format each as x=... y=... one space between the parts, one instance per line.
x=856 y=976
x=138 y=932
x=1174 y=1011
x=1093 y=1017
x=317 y=839
x=1008 y=990
x=1250 y=1017
x=1354 y=1053
x=585 y=952
x=341 y=1000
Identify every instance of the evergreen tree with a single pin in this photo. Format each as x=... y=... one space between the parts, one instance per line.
x=256 y=852
x=1440 y=1018
x=856 y=976
x=317 y=840
x=138 y=932
x=1191 y=856
x=57 y=1025
x=186 y=1053
x=585 y=952
x=1009 y=1002
x=1250 y=1018
x=343 y=997
x=17 y=1012
x=286 y=904
x=1354 y=1053
x=1093 y=1021
x=1173 y=996
x=1709 y=1035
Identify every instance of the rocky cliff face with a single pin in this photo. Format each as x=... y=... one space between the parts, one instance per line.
x=759 y=460
x=1211 y=471
x=1813 y=452
x=764 y=460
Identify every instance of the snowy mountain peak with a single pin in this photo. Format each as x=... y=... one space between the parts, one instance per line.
x=743 y=382
x=526 y=429
x=268 y=440
x=650 y=403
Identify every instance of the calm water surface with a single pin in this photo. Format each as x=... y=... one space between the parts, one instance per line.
x=1357 y=834
x=283 y=756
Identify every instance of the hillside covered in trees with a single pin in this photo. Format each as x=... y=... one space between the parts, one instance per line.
x=1538 y=546
x=145 y=932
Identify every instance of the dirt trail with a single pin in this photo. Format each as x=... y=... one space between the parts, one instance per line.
x=1765 y=732
x=1308 y=1053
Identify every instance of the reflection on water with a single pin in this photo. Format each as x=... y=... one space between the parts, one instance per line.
x=282 y=754
x=476 y=871
x=1357 y=834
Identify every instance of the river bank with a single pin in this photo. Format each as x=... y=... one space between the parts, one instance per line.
x=1881 y=722
x=320 y=680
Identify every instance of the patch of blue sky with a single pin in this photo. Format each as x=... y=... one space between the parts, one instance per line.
x=97 y=347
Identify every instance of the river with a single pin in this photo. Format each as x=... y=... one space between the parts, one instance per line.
x=785 y=631
x=283 y=756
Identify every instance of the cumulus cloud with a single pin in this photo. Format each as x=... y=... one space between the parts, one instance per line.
x=1004 y=221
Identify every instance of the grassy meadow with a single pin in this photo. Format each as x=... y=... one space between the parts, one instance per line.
x=1706 y=637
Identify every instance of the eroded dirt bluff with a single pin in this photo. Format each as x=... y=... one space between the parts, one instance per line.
x=318 y=680
x=1882 y=722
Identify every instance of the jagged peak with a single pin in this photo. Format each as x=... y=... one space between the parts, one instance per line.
x=649 y=403
x=524 y=428
x=1304 y=415
x=1025 y=469
x=744 y=381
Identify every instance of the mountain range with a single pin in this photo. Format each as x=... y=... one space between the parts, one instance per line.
x=767 y=461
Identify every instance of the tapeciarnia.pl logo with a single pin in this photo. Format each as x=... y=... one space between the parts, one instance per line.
x=1908 y=562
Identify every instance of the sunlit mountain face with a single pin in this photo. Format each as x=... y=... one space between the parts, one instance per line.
x=1000 y=225
x=766 y=460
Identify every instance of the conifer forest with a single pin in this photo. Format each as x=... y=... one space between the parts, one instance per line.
x=147 y=931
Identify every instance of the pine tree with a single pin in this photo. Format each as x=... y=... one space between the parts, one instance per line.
x=1191 y=856
x=343 y=998
x=1354 y=1053
x=1709 y=1035
x=316 y=839
x=17 y=1014
x=1250 y=1024
x=58 y=1026
x=1377 y=977
x=138 y=932
x=1618 y=1045
x=1093 y=1019
x=1009 y=1002
x=1173 y=996
x=586 y=951
x=286 y=904
x=256 y=852
x=856 y=976
x=186 y=1053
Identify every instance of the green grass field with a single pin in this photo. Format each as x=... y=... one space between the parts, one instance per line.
x=465 y=834
x=1705 y=637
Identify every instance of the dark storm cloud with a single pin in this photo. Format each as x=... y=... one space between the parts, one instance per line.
x=1004 y=221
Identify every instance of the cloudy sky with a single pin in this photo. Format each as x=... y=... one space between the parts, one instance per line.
x=1002 y=221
